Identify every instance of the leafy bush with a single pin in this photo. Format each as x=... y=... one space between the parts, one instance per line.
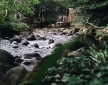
x=90 y=69
x=13 y=23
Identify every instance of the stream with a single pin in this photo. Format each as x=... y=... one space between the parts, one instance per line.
x=44 y=47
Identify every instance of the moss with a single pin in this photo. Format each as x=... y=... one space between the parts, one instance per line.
x=82 y=41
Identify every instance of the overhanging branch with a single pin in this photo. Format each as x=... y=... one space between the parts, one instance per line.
x=93 y=24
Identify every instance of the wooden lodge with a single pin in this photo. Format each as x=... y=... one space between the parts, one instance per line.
x=49 y=17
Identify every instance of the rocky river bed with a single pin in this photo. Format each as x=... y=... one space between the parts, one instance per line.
x=27 y=55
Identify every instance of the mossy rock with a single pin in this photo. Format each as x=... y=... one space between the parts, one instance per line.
x=82 y=41
x=6 y=57
x=14 y=76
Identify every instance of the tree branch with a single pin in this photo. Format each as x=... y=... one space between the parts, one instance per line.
x=93 y=24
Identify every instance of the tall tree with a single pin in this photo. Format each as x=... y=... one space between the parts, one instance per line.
x=94 y=10
x=9 y=9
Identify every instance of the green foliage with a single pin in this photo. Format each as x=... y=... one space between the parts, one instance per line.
x=99 y=34
x=53 y=5
x=75 y=81
x=98 y=56
x=96 y=10
x=10 y=8
x=17 y=5
x=13 y=23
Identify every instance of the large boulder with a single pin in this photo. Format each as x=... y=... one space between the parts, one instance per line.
x=14 y=76
x=6 y=57
x=82 y=41
x=3 y=69
x=6 y=62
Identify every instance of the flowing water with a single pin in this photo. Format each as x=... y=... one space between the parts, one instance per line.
x=44 y=48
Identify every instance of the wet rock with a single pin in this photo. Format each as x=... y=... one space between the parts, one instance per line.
x=64 y=32
x=61 y=29
x=36 y=45
x=70 y=33
x=31 y=55
x=24 y=42
x=51 y=41
x=15 y=46
x=6 y=57
x=3 y=69
x=18 y=60
x=75 y=30
x=42 y=38
x=26 y=63
x=31 y=37
x=29 y=62
x=14 y=76
x=77 y=52
x=82 y=41
x=14 y=42
x=17 y=57
x=16 y=38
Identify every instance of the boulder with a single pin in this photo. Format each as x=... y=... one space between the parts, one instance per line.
x=15 y=46
x=14 y=76
x=6 y=57
x=82 y=41
x=36 y=45
x=26 y=63
x=3 y=69
x=24 y=42
x=65 y=31
x=16 y=38
x=31 y=37
x=70 y=33
x=6 y=62
x=78 y=52
x=75 y=30
x=40 y=37
x=18 y=60
x=15 y=43
x=31 y=55
x=51 y=41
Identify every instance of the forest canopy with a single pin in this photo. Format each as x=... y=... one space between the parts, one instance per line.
x=95 y=10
